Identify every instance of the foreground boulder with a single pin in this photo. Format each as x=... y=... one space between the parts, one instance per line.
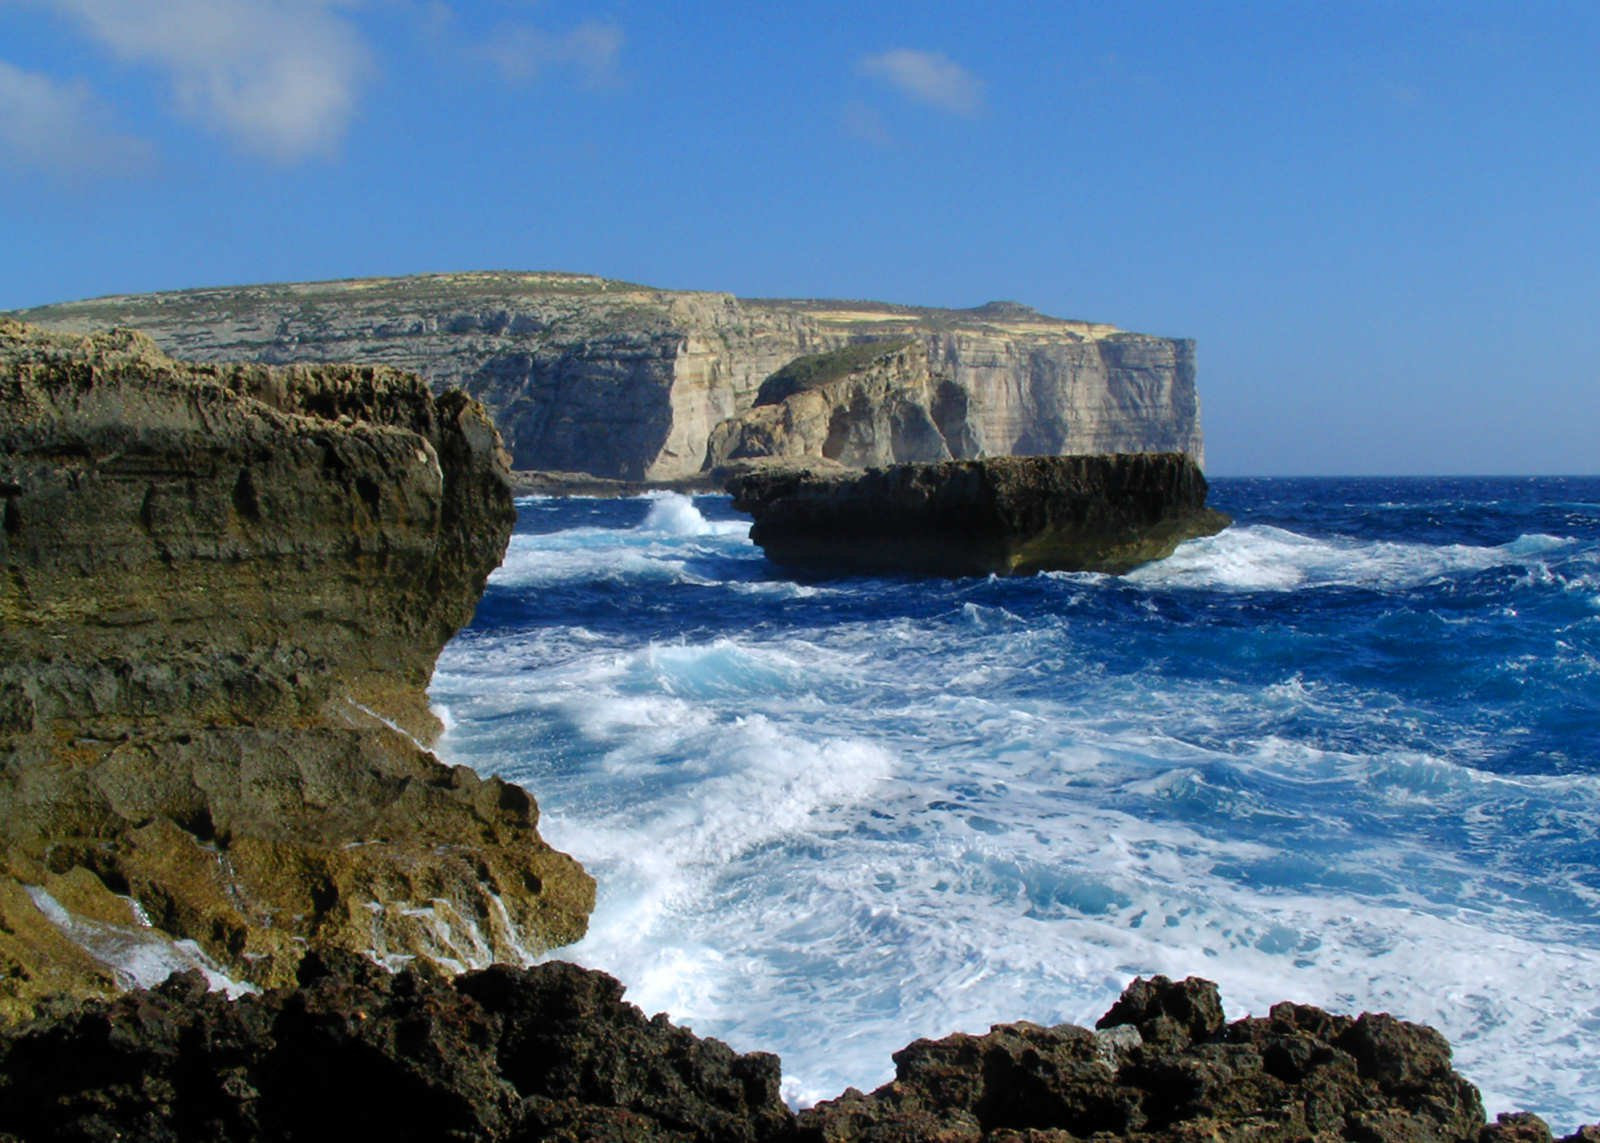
x=553 y=1052
x=222 y=593
x=999 y=515
x=352 y=1052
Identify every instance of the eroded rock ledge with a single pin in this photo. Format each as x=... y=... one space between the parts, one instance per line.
x=222 y=593
x=1003 y=515
x=553 y=1052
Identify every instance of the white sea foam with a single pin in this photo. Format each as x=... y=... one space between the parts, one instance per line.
x=675 y=514
x=139 y=956
x=589 y=555
x=1264 y=558
x=828 y=839
x=653 y=552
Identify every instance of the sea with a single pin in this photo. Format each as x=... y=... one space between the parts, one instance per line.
x=1346 y=752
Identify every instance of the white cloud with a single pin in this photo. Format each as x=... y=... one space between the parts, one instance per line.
x=281 y=77
x=591 y=49
x=928 y=77
x=46 y=125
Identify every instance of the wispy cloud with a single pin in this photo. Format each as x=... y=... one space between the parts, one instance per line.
x=592 y=50
x=864 y=122
x=928 y=77
x=61 y=128
x=282 y=78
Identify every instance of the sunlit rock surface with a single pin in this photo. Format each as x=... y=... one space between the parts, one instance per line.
x=587 y=375
x=222 y=592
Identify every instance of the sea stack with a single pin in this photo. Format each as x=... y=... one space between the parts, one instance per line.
x=997 y=515
x=222 y=593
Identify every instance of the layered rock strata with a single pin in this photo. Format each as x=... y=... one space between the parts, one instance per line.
x=623 y=381
x=222 y=592
x=554 y=1053
x=1001 y=515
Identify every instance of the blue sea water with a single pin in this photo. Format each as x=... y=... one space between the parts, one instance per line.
x=1346 y=752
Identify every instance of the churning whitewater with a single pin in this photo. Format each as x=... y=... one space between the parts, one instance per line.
x=1346 y=752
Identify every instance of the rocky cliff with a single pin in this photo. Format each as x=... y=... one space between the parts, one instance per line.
x=588 y=375
x=222 y=592
x=1004 y=515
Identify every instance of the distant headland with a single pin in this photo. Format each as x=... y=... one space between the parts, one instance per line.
x=627 y=382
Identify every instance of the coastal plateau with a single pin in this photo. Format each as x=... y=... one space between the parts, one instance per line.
x=222 y=592
x=610 y=379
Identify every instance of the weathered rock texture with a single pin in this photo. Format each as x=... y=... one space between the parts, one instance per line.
x=867 y=404
x=550 y=1052
x=623 y=381
x=222 y=592
x=553 y=1052
x=1002 y=515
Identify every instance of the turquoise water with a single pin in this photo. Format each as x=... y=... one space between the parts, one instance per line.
x=1346 y=752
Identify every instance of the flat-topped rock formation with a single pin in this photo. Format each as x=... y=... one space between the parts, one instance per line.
x=612 y=379
x=222 y=593
x=999 y=515
x=554 y=1053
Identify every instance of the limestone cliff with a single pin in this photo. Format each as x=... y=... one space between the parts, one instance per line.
x=866 y=404
x=588 y=375
x=222 y=592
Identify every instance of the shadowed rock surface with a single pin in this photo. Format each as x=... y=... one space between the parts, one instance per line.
x=222 y=592
x=553 y=1052
x=623 y=381
x=1001 y=515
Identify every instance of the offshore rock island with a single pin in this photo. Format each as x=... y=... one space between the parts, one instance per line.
x=1012 y=515
x=616 y=380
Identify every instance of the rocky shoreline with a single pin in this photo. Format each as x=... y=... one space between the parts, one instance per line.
x=224 y=590
x=553 y=1052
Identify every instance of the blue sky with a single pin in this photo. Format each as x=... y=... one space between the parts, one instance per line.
x=1381 y=222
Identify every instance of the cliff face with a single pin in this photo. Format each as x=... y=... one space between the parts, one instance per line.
x=617 y=380
x=223 y=590
x=864 y=406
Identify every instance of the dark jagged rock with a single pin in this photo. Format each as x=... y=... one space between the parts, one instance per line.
x=1002 y=515
x=1164 y=1068
x=550 y=1052
x=222 y=593
x=553 y=1052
